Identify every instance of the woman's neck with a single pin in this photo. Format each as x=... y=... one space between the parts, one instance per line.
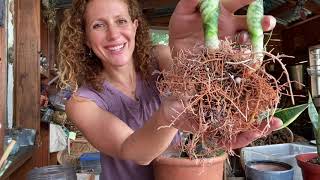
x=120 y=75
x=124 y=79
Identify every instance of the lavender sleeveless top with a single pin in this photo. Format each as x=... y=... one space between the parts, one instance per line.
x=134 y=113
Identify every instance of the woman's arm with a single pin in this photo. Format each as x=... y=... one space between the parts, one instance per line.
x=113 y=137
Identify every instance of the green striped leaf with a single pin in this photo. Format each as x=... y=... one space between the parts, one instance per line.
x=313 y=113
x=288 y=115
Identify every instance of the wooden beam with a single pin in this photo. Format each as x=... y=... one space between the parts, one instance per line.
x=297 y=38
x=27 y=66
x=158 y=3
x=159 y=21
x=3 y=85
x=282 y=8
x=308 y=21
x=312 y=6
x=27 y=80
x=27 y=75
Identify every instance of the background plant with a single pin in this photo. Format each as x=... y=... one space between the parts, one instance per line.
x=314 y=117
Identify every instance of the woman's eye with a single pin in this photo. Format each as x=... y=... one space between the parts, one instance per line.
x=122 y=21
x=99 y=26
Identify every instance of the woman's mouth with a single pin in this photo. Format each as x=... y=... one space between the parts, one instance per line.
x=116 y=48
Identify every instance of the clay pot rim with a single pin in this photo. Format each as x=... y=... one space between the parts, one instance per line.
x=189 y=162
x=285 y=165
x=303 y=158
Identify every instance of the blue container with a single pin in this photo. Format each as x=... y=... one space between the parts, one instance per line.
x=90 y=157
x=90 y=162
x=268 y=170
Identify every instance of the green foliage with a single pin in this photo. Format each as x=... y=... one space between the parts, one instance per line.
x=314 y=117
x=210 y=11
x=159 y=37
x=254 y=17
x=313 y=114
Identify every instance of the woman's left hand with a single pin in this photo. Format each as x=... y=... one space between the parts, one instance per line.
x=185 y=27
x=245 y=138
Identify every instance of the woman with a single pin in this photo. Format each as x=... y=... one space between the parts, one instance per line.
x=105 y=50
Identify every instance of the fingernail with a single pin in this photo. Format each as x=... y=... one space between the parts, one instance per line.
x=269 y=23
x=244 y=36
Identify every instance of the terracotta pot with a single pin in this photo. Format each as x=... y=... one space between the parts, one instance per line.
x=310 y=171
x=171 y=168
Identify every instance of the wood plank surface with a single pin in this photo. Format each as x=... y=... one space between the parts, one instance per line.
x=27 y=69
x=3 y=86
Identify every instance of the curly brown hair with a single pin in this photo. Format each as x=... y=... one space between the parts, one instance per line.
x=77 y=66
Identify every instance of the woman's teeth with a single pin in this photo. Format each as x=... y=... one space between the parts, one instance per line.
x=116 y=48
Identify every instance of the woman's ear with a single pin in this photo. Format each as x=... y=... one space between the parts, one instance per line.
x=88 y=43
x=136 y=23
x=86 y=40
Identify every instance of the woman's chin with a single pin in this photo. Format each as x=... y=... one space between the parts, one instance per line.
x=120 y=63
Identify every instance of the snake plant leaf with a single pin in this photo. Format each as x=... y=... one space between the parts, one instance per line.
x=313 y=113
x=288 y=115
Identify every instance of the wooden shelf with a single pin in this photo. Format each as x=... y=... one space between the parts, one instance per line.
x=24 y=154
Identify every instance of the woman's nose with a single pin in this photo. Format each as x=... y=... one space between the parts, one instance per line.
x=113 y=32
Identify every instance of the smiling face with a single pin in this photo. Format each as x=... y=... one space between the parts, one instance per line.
x=110 y=31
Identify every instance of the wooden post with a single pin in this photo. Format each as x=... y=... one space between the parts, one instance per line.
x=27 y=65
x=3 y=86
x=27 y=76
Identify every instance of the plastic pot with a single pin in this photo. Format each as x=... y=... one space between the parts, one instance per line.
x=56 y=172
x=268 y=170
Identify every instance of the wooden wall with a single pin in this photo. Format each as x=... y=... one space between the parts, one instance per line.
x=297 y=38
x=159 y=3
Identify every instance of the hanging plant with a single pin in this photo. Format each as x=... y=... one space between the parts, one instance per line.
x=49 y=13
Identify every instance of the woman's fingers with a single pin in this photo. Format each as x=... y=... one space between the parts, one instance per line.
x=266 y=127
x=274 y=124
x=242 y=37
x=190 y=6
x=233 y=5
x=245 y=138
x=268 y=22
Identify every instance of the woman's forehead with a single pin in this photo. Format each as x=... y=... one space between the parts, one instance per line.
x=106 y=8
